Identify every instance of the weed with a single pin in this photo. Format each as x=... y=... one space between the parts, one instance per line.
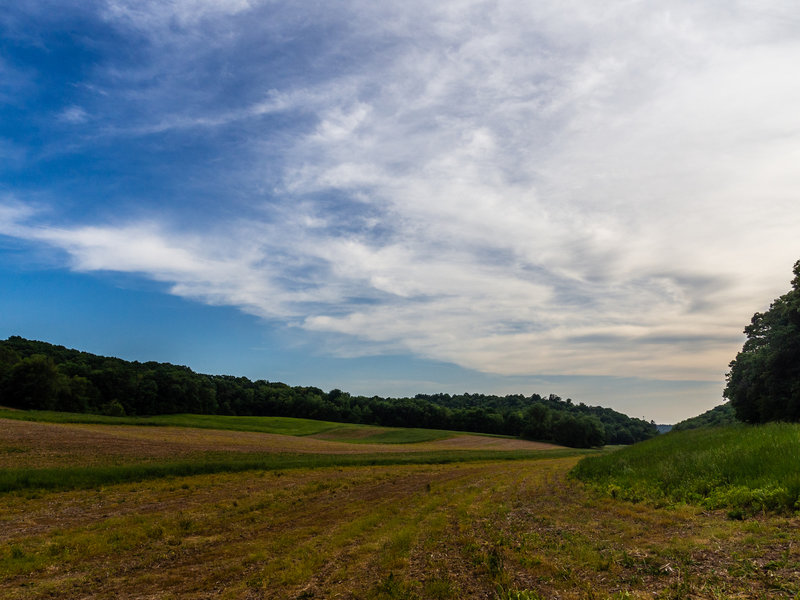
x=185 y=524
x=494 y=561
x=508 y=594
x=438 y=588
x=392 y=588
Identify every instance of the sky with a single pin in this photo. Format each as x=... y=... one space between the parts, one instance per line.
x=583 y=198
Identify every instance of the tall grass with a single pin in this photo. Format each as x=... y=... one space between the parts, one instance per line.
x=82 y=477
x=744 y=468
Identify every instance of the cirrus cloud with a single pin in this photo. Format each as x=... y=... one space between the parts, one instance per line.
x=513 y=187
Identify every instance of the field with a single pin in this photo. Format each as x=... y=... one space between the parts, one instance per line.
x=466 y=522
x=346 y=432
x=745 y=469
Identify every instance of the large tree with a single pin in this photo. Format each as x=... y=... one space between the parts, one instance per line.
x=764 y=380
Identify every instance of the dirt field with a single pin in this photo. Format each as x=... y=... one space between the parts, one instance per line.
x=456 y=531
x=492 y=530
x=27 y=444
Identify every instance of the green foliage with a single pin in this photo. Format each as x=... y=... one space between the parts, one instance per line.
x=509 y=594
x=38 y=375
x=716 y=417
x=34 y=382
x=764 y=379
x=8 y=358
x=578 y=431
x=747 y=468
x=112 y=409
x=538 y=422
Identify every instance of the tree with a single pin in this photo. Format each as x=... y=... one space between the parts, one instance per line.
x=578 y=431
x=537 y=422
x=763 y=383
x=34 y=382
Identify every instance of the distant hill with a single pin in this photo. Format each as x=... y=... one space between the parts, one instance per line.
x=41 y=376
x=719 y=415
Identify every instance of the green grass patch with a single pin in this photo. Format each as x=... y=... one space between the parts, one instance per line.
x=282 y=425
x=402 y=436
x=345 y=432
x=746 y=469
x=67 y=478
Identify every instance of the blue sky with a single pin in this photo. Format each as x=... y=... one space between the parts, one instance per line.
x=581 y=198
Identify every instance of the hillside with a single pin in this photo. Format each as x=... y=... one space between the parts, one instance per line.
x=42 y=376
x=745 y=469
x=716 y=417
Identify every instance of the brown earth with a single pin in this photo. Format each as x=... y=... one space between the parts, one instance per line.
x=462 y=531
x=27 y=444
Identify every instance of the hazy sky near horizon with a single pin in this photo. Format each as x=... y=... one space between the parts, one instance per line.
x=581 y=198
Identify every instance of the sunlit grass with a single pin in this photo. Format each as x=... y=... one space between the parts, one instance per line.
x=743 y=468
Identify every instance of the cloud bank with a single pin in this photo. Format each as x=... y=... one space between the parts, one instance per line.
x=513 y=187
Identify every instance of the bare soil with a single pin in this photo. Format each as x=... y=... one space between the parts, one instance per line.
x=28 y=444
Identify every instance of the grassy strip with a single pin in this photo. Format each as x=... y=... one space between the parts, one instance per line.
x=280 y=425
x=87 y=477
x=402 y=436
x=746 y=469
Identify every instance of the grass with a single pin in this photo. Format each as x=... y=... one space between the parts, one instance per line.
x=345 y=432
x=83 y=477
x=745 y=469
x=420 y=524
x=492 y=529
x=403 y=436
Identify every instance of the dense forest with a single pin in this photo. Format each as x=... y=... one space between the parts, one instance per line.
x=38 y=375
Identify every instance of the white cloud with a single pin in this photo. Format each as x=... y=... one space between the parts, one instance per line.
x=544 y=187
x=73 y=114
x=154 y=15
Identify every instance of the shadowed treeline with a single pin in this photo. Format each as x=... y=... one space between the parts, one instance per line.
x=41 y=376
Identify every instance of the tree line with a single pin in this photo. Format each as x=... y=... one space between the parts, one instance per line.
x=42 y=376
x=718 y=416
x=763 y=383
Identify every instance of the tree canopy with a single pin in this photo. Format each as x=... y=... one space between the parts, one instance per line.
x=38 y=375
x=763 y=383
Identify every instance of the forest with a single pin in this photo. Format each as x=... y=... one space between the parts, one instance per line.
x=42 y=376
x=763 y=383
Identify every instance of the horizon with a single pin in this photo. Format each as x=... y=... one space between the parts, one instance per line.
x=484 y=197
